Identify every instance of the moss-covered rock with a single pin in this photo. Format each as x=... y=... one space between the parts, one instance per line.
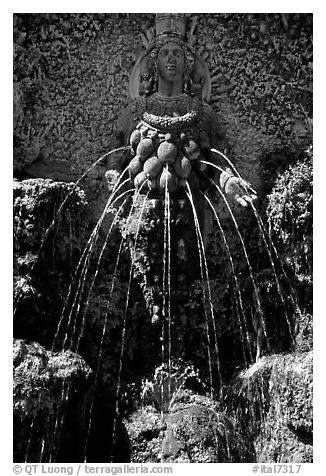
x=50 y=230
x=304 y=332
x=43 y=207
x=193 y=432
x=290 y=215
x=49 y=390
x=272 y=402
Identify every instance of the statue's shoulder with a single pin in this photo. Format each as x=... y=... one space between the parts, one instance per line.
x=134 y=109
x=130 y=117
x=212 y=122
x=208 y=111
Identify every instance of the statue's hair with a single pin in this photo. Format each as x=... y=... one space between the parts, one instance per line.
x=150 y=70
x=189 y=56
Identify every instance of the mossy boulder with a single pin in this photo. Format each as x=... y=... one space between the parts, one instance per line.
x=290 y=215
x=50 y=390
x=50 y=230
x=194 y=431
x=272 y=403
x=49 y=210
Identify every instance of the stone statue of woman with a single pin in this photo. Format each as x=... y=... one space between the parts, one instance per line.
x=169 y=125
x=171 y=131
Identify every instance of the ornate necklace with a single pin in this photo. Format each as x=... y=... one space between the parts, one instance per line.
x=170 y=123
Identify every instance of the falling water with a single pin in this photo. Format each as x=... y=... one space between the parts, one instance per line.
x=85 y=256
x=50 y=227
x=248 y=263
x=275 y=274
x=87 y=252
x=272 y=246
x=237 y=286
x=166 y=289
x=86 y=304
x=105 y=324
x=101 y=351
x=245 y=254
x=30 y=437
x=202 y=258
x=169 y=290
x=58 y=420
x=164 y=284
x=232 y=166
x=261 y=227
x=54 y=237
x=263 y=231
x=123 y=336
x=91 y=240
x=42 y=448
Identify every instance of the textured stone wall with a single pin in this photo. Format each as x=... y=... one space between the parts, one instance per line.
x=71 y=75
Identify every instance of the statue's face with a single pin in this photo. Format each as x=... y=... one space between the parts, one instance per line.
x=171 y=62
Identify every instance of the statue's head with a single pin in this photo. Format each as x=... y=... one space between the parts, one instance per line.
x=171 y=62
x=170 y=57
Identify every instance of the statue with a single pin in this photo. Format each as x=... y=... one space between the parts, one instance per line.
x=171 y=130
x=169 y=125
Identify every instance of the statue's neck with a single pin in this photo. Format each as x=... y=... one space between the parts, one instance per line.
x=169 y=89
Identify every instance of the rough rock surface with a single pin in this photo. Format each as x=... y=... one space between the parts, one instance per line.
x=272 y=401
x=71 y=84
x=48 y=388
x=192 y=432
x=50 y=225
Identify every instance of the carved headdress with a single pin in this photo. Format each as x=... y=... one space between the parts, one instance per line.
x=170 y=27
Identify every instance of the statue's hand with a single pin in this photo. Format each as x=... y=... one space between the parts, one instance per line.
x=236 y=188
x=112 y=177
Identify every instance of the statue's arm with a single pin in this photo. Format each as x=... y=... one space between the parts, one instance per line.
x=234 y=187
x=119 y=160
